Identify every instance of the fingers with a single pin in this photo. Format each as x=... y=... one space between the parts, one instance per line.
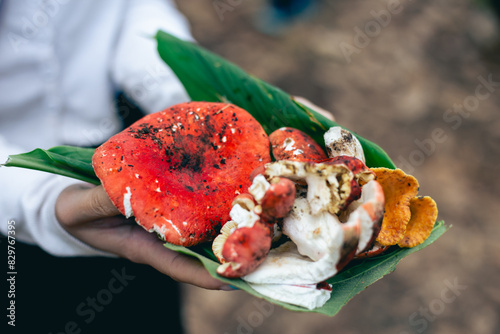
x=100 y=204
x=81 y=203
x=87 y=213
x=148 y=249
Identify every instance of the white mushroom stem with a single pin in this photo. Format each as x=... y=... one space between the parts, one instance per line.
x=314 y=235
x=287 y=275
x=285 y=265
x=318 y=193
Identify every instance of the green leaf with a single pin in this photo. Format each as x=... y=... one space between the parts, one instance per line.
x=356 y=277
x=208 y=77
x=70 y=161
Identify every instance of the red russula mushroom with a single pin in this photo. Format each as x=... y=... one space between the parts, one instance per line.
x=278 y=200
x=178 y=170
x=245 y=249
x=293 y=144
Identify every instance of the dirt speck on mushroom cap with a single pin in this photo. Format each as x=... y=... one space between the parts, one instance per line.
x=184 y=166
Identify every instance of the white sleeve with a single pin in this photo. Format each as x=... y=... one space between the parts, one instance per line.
x=136 y=66
x=28 y=198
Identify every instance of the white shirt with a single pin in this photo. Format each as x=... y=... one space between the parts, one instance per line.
x=61 y=63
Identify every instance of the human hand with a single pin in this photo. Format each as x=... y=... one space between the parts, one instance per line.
x=86 y=212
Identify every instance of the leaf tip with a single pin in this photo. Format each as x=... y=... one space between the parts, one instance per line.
x=6 y=163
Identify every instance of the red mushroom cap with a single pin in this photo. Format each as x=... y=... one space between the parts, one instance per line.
x=178 y=170
x=278 y=200
x=293 y=144
x=245 y=249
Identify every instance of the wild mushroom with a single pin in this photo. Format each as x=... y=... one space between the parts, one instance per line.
x=423 y=216
x=178 y=170
x=312 y=233
x=409 y=218
x=344 y=147
x=399 y=189
x=320 y=244
x=370 y=211
x=339 y=141
x=289 y=276
x=277 y=201
x=293 y=144
x=331 y=183
x=245 y=247
x=285 y=264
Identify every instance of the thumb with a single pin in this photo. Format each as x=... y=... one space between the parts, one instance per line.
x=80 y=203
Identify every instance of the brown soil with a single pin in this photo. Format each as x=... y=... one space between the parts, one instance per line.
x=397 y=91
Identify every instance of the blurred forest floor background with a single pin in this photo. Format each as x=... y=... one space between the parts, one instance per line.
x=409 y=82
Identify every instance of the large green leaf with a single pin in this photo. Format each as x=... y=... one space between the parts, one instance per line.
x=208 y=77
x=74 y=162
x=356 y=277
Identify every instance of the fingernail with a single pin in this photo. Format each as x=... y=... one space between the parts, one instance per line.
x=228 y=288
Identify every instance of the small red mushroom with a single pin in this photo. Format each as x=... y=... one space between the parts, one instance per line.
x=246 y=247
x=293 y=144
x=278 y=200
x=178 y=170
